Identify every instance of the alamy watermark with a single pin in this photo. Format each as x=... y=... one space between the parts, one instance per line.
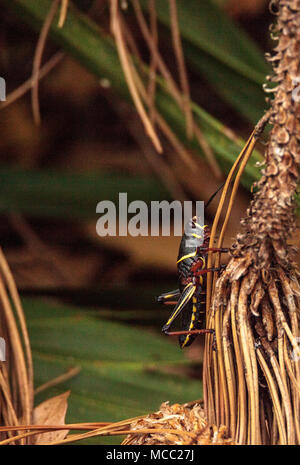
x=2 y=349
x=296 y=91
x=295 y=356
x=2 y=89
x=140 y=219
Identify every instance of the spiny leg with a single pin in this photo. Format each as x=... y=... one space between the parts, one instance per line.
x=195 y=331
x=163 y=298
x=208 y=270
x=213 y=249
x=171 y=302
x=192 y=331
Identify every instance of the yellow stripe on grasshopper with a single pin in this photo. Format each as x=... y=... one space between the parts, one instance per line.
x=168 y=296
x=193 y=318
x=197 y=236
x=203 y=266
x=193 y=254
x=199 y=226
x=185 y=300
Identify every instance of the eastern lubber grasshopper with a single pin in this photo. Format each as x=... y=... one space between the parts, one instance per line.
x=192 y=264
x=192 y=270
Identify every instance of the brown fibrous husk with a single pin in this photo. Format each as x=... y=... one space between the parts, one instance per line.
x=252 y=379
x=177 y=425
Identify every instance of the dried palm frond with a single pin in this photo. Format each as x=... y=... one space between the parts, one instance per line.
x=172 y=424
x=252 y=380
x=16 y=372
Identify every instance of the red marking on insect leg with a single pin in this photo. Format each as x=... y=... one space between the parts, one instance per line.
x=192 y=331
x=207 y=270
x=213 y=249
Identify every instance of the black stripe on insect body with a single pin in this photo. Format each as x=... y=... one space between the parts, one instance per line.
x=192 y=270
x=192 y=318
x=192 y=254
x=192 y=285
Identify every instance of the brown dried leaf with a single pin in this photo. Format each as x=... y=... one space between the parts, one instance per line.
x=51 y=412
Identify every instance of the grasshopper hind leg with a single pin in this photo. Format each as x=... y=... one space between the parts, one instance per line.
x=184 y=299
x=164 y=298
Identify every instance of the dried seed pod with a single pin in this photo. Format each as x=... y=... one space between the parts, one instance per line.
x=177 y=425
x=282 y=136
x=264 y=307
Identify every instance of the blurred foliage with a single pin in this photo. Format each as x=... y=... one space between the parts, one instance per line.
x=64 y=195
x=126 y=370
x=124 y=373
x=81 y=37
x=222 y=53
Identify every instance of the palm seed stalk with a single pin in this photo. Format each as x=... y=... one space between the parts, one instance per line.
x=252 y=379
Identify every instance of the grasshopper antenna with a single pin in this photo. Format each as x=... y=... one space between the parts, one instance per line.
x=213 y=196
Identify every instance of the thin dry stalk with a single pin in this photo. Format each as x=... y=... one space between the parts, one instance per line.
x=180 y=98
x=163 y=125
x=16 y=372
x=125 y=59
x=181 y=68
x=156 y=162
x=38 y=59
x=63 y=13
x=153 y=59
x=176 y=424
x=239 y=411
x=27 y=85
x=58 y=380
x=168 y=423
